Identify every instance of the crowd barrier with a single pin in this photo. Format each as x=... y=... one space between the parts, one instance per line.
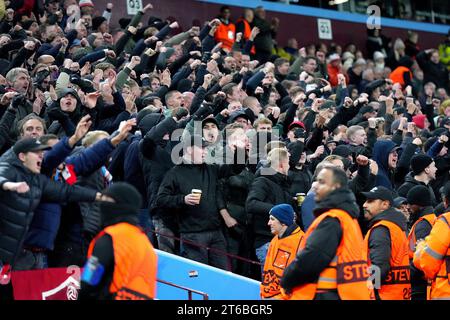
x=178 y=279
x=230 y=257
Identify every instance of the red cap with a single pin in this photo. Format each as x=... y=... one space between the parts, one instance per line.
x=419 y=120
x=297 y=123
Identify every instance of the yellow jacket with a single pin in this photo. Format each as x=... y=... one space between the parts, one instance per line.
x=444 y=54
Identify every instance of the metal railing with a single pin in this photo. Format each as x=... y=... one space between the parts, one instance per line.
x=229 y=256
x=189 y=290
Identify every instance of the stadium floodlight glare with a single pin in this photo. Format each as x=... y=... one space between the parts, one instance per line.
x=334 y=2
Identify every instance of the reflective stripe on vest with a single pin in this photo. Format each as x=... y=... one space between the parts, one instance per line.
x=347 y=273
x=135 y=262
x=397 y=284
x=440 y=286
x=433 y=253
x=430 y=218
x=280 y=254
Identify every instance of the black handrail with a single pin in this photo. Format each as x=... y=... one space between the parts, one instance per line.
x=190 y=291
x=228 y=255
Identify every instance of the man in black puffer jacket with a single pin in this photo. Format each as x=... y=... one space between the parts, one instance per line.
x=270 y=187
x=21 y=189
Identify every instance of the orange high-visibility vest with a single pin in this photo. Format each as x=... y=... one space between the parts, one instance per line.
x=397 y=75
x=434 y=258
x=247 y=32
x=280 y=254
x=397 y=284
x=412 y=234
x=348 y=271
x=135 y=262
x=226 y=33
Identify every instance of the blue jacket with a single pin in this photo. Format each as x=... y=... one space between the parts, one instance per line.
x=90 y=159
x=435 y=149
x=47 y=216
x=133 y=173
x=307 y=210
x=386 y=177
x=381 y=151
x=87 y=164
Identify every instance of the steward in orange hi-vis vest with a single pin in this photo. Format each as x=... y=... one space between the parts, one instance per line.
x=395 y=279
x=134 y=276
x=122 y=264
x=246 y=32
x=386 y=246
x=422 y=218
x=433 y=258
x=226 y=33
x=282 y=251
x=428 y=219
x=398 y=75
x=330 y=264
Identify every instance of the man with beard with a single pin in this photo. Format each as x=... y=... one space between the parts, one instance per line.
x=386 y=245
x=332 y=244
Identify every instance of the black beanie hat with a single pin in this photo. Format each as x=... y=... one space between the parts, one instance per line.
x=128 y=201
x=419 y=195
x=97 y=21
x=419 y=162
x=149 y=121
x=124 y=22
x=27 y=24
x=184 y=85
x=342 y=150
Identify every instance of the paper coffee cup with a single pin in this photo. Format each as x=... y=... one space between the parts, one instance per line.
x=198 y=193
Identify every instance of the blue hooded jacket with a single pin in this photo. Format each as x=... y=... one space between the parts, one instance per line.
x=381 y=151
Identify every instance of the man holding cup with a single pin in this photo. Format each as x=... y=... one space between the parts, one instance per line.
x=191 y=189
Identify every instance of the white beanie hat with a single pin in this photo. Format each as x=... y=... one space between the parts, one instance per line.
x=348 y=55
x=378 y=55
x=347 y=64
x=85 y=3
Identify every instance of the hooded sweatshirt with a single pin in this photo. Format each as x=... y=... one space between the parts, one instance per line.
x=391 y=178
x=381 y=152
